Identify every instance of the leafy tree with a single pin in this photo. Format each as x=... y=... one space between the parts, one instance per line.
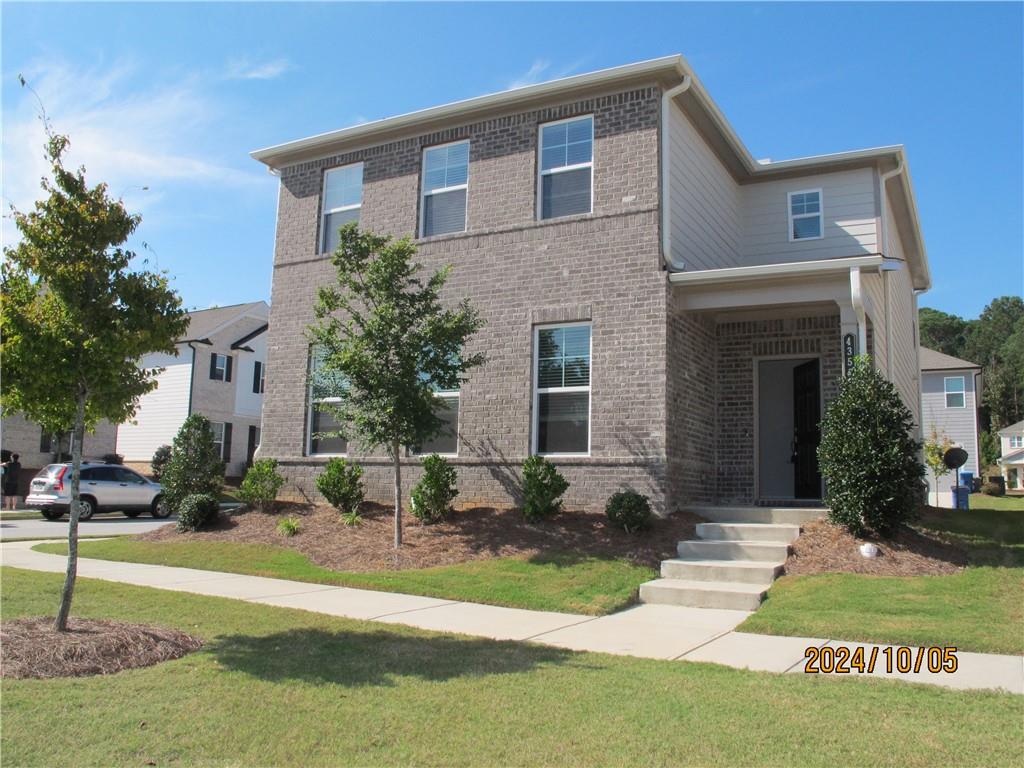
x=195 y=466
x=996 y=324
x=75 y=318
x=873 y=477
x=989 y=448
x=385 y=333
x=942 y=331
x=161 y=456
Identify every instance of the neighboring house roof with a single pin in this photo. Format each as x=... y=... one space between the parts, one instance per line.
x=1013 y=429
x=933 y=360
x=1017 y=457
x=240 y=344
x=670 y=72
x=204 y=322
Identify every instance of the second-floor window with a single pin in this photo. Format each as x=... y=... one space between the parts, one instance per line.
x=566 y=168
x=805 y=221
x=445 y=189
x=954 y=387
x=220 y=367
x=342 y=199
x=259 y=378
x=1016 y=441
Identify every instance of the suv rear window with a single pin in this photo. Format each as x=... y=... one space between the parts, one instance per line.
x=49 y=470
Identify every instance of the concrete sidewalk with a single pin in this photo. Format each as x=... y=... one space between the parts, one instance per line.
x=650 y=631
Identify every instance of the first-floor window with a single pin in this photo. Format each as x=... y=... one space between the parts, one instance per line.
x=561 y=402
x=445 y=442
x=222 y=439
x=324 y=389
x=954 y=386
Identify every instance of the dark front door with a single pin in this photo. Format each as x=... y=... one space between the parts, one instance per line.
x=806 y=430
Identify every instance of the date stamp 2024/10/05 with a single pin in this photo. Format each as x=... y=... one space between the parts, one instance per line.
x=842 y=659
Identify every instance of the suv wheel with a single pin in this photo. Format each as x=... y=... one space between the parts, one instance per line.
x=52 y=514
x=160 y=508
x=87 y=508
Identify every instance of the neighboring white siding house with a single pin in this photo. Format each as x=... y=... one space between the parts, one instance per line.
x=161 y=411
x=949 y=400
x=1011 y=461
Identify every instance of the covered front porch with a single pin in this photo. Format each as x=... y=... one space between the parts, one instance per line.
x=777 y=339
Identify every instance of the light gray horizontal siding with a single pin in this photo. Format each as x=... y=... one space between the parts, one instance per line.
x=959 y=424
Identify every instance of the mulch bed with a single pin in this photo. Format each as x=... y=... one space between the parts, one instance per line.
x=827 y=548
x=479 y=533
x=31 y=648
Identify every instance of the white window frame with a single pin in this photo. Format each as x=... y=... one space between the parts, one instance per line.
x=962 y=391
x=221 y=365
x=537 y=392
x=448 y=394
x=423 y=188
x=323 y=202
x=1016 y=441
x=309 y=414
x=578 y=166
x=218 y=442
x=820 y=215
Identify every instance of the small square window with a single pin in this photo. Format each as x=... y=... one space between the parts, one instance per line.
x=955 y=391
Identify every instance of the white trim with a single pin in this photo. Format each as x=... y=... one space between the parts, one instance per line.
x=222 y=368
x=820 y=215
x=324 y=213
x=537 y=391
x=442 y=190
x=732 y=274
x=946 y=391
x=220 y=442
x=563 y=168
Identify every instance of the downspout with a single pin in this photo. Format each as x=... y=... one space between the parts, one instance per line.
x=191 y=378
x=666 y=223
x=882 y=178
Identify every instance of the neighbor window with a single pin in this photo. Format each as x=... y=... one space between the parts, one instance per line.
x=561 y=402
x=220 y=367
x=954 y=386
x=259 y=378
x=805 y=222
x=222 y=439
x=445 y=187
x=1017 y=441
x=342 y=199
x=324 y=388
x=566 y=167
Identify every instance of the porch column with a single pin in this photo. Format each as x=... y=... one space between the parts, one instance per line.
x=853 y=321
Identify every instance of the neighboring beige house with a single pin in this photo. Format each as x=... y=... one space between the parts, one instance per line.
x=950 y=397
x=662 y=310
x=37 y=448
x=1011 y=460
x=219 y=371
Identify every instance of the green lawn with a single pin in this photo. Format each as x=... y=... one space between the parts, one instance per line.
x=274 y=686
x=20 y=514
x=981 y=609
x=981 y=501
x=569 y=583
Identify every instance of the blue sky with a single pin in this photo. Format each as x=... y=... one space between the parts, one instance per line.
x=174 y=96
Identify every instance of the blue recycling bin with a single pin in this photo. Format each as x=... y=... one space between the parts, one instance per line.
x=961 y=497
x=967 y=479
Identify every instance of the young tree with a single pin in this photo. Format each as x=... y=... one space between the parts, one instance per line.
x=384 y=332
x=75 y=319
x=935 y=448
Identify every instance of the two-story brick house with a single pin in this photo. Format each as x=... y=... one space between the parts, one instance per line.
x=663 y=311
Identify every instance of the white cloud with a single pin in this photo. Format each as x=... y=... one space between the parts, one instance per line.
x=244 y=69
x=540 y=71
x=128 y=134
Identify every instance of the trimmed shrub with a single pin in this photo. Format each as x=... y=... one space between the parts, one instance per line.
x=197 y=510
x=341 y=484
x=992 y=489
x=543 y=486
x=873 y=476
x=629 y=510
x=194 y=466
x=432 y=496
x=160 y=458
x=288 y=526
x=261 y=484
x=112 y=458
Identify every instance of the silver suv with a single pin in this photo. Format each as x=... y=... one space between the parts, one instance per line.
x=103 y=488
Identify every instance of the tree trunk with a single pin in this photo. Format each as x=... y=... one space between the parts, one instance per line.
x=77 y=436
x=396 y=457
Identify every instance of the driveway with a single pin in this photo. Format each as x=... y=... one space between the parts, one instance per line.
x=100 y=525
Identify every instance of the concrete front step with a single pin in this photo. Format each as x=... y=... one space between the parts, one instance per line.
x=747 y=532
x=772 y=515
x=736 y=571
x=766 y=551
x=703 y=594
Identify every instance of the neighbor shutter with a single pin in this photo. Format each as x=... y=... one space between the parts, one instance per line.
x=257 y=371
x=227 y=370
x=213 y=365
x=227 y=441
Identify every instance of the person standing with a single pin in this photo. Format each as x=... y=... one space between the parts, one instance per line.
x=12 y=473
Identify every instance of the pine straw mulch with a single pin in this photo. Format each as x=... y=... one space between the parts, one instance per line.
x=478 y=533
x=30 y=647
x=827 y=548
